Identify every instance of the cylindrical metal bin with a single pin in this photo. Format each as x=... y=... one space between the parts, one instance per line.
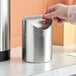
x=37 y=42
x=4 y=30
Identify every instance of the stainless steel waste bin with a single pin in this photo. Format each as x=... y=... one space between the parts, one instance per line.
x=36 y=42
x=4 y=30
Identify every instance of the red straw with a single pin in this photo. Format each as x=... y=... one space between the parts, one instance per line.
x=45 y=20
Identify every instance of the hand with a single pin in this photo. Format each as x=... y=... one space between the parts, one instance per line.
x=58 y=12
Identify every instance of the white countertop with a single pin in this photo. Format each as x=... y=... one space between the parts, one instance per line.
x=60 y=65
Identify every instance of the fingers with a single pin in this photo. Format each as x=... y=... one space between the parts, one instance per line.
x=52 y=9
x=52 y=12
x=50 y=15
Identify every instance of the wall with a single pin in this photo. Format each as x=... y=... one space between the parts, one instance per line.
x=69 y=34
x=57 y=34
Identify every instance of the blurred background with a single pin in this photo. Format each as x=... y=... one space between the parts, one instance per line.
x=62 y=35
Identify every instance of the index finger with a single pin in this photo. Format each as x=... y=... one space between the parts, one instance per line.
x=52 y=9
x=50 y=15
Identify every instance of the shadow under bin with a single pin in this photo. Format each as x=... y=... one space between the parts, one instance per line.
x=36 y=42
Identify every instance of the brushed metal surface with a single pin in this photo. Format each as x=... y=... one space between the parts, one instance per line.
x=37 y=43
x=4 y=25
